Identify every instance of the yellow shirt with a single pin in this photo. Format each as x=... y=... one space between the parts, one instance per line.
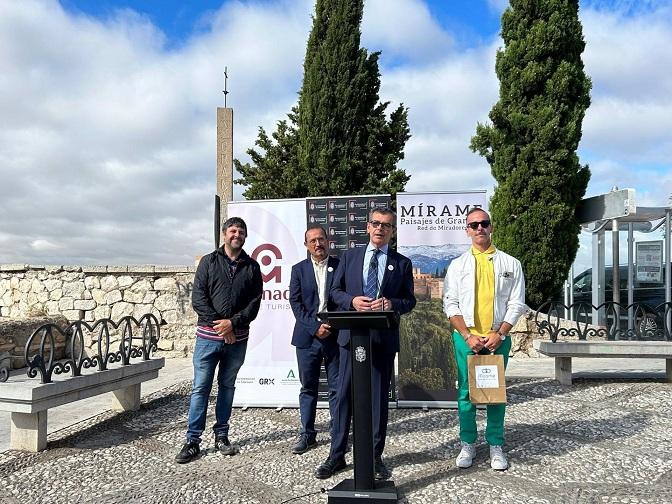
x=484 y=292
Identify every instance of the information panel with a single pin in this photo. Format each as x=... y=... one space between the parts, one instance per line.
x=649 y=261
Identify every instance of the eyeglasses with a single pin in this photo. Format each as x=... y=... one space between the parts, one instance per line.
x=377 y=224
x=485 y=224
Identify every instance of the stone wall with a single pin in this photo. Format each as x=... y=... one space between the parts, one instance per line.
x=94 y=292
x=522 y=335
x=15 y=332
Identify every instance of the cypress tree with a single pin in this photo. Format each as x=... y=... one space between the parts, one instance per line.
x=532 y=140
x=338 y=139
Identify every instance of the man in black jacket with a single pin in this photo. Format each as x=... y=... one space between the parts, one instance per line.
x=226 y=297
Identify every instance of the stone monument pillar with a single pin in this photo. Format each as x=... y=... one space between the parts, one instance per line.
x=224 y=158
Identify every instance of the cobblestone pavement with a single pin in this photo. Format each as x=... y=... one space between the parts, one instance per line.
x=596 y=441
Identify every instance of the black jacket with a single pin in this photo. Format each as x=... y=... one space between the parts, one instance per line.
x=217 y=295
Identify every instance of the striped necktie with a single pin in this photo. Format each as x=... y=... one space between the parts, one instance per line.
x=372 y=277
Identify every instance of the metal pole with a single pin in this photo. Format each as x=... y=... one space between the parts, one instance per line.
x=668 y=278
x=668 y=258
x=616 y=275
x=567 y=289
x=631 y=279
x=615 y=270
x=571 y=291
x=597 y=297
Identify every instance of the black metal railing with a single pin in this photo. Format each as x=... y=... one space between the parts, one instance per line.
x=45 y=362
x=4 y=373
x=636 y=321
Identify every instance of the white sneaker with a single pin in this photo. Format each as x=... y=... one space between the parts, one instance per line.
x=497 y=459
x=466 y=456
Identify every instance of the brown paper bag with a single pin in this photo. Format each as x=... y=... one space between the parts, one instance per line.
x=486 y=379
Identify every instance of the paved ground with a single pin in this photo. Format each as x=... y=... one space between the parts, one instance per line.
x=604 y=439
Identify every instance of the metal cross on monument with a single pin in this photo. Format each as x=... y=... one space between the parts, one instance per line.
x=226 y=78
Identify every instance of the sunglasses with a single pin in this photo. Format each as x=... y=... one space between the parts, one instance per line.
x=485 y=224
x=385 y=225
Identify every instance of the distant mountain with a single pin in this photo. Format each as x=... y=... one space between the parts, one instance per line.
x=435 y=251
x=432 y=258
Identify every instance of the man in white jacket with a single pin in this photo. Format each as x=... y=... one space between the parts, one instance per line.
x=483 y=296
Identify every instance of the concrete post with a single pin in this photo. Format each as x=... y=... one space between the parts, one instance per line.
x=126 y=399
x=563 y=370
x=28 y=431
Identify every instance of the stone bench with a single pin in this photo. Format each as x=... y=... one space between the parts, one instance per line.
x=28 y=400
x=564 y=351
x=78 y=375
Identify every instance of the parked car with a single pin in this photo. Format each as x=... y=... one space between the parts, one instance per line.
x=651 y=294
x=648 y=298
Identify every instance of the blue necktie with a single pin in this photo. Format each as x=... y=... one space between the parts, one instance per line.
x=372 y=277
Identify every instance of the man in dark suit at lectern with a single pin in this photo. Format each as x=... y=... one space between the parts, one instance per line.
x=369 y=278
x=315 y=341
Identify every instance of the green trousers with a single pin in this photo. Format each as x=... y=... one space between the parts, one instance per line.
x=494 y=432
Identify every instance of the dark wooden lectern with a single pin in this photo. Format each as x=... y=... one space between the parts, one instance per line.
x=364 y=488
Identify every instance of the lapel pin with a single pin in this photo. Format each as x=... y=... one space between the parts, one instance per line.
x=390 y=267
x=330 y=269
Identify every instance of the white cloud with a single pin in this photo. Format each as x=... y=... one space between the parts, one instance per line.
x=107 y=139
x=498 y=5
x=403 y=29
x=445 y=102
x=628 y=59
x=626 y=128
x=44 y=245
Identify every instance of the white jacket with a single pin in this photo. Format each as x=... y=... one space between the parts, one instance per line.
x=460 y=282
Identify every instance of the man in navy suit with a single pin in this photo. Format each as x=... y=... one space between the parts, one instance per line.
x=315 y=342
x=369 y=278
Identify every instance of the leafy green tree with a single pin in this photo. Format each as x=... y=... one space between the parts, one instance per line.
x=532 y=141
x=338 y=139
x=271 y=174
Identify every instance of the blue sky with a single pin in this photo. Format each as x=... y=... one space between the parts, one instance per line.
x=107 y=143
x=179 y=20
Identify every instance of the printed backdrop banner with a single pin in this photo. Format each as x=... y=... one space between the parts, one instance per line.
x=431 y=232
x=269 y=376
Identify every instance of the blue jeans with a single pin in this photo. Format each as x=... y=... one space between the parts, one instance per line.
x=207 y=355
